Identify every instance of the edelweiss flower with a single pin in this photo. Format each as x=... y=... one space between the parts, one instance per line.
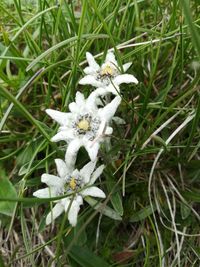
x=108 y=75
x=77 y=183
x=84 y=125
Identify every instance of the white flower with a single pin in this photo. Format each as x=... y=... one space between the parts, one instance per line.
x=84 y=125
x=78 y=184
x=107 y=75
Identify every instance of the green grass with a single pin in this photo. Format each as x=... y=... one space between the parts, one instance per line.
x=152 y=173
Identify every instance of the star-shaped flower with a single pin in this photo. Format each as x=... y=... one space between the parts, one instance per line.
x=85 y=125
x=78 y=184
x=108 y=74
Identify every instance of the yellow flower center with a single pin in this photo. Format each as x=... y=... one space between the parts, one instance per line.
x=72 y=183
x=108 y=70
x=83 y=125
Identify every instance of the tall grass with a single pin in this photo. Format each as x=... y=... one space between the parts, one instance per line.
x=152 y=170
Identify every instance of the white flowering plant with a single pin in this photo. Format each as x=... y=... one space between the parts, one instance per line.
x=87 y=124
x=77 y=184
x=108 y=75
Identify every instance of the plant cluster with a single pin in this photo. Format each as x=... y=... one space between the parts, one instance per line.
x=87 y=124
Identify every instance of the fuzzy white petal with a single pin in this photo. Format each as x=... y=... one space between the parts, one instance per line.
x=126 y=66
x=89 y=71
x=75 y=173
x=63 y=136
x=61 y=117
x=51 y=180
x=61 y=168
x=113 y=88
x=73 y=107
x=90 y=79
x=92 y=62
x=92 y=99
x=93 y=192
x=96 y=174
x=80 y=100
x=45 y=193
x=125 y=78
x=92 y=149
x=87 y=170
x=66 y=202
x=71 y=152
x=109 y=130
x=110 y=57
x=99 y=102
x=109 y=110
x=73 y=212
x=54 y=213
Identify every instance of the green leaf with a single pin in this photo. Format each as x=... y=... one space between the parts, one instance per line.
x=7 y=190
x=192 y=27
x=115 y=197
x=191 y=196
x=103 y=209
x=76 y=231
x=1 y=261
x=86 y=258
x=25 y=168
x=142 y=214
x=159 y=140
x=185 y=211
x=24 y=111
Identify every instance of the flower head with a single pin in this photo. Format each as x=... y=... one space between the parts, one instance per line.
x=107 y=75
x=84 y=125
x=78 y=184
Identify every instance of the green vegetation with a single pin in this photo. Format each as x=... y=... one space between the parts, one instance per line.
x=152 y=175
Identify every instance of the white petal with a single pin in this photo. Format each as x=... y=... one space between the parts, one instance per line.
x=63 y=136
x=93 y=97
x=109 y=130
x=73 y=212
x=126 y=66
x=69 y=131
x=96 y=174
x=93 y=192
x=99 y=102
x=109 y=110
x=45 y=193
x=71 y=152
x=89 y=71
x=61 y=168
x=80 y=99
x=110 y=57
x=90 y=79
x=87 y=170
x=61 y=117
x=102 y=129
x=51 y=180
x=113 y=88
x=92 y=62
x=75 y=173
x=79 y=199
x=92 y=149
x=73 y=107
x=65 y=202
x=54 y=213
x=91 y=101
x=125 y=78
